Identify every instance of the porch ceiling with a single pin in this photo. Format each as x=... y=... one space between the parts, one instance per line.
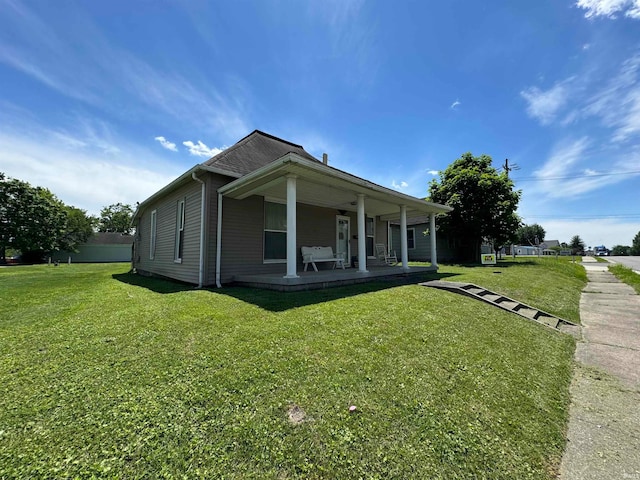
x=321 y=185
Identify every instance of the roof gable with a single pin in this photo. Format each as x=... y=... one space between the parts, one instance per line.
x=254 y=151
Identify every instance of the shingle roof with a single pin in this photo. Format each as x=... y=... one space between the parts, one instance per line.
x=254 y=151
x=109 y=238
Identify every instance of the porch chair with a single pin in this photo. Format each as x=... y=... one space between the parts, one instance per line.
x=386 y=256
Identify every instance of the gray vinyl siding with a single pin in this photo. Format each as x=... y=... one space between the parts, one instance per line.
x=243 y=236
x=422 y=250
x=163 y=262
x=214 y=181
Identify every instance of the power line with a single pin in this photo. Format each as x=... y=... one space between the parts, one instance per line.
x=571 y=177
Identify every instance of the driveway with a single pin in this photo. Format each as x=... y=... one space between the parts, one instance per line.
x=632 y=262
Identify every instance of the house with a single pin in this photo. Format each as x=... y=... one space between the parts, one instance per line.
x=419 y=240
x=101 y=247
x=550 y=247
x=243 y=215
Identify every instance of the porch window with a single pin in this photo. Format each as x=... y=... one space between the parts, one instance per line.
x=370 y=231
x=411 y=238
x=275 y=231
x=179 y=232
x=152 y=239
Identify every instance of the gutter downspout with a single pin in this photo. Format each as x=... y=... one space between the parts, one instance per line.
x=202 y=230
x=219 y=241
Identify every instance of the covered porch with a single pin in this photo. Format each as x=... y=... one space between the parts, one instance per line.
x=292 y=180
x=329 y=278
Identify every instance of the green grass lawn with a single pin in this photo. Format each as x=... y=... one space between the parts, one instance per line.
x=110 y=375
x=626 y=275
x=550 y=284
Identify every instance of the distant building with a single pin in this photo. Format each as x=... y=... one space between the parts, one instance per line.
x=101 y=247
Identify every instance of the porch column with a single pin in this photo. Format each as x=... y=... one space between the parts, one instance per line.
x=291 y=227
x=432 y=238
x=362 y=236
x=404 y=250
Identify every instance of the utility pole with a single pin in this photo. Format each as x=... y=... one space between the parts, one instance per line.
x=507 y=168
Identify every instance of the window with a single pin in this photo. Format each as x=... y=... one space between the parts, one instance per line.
x=152 y=240
x=370 y=232
x=411 y=238
x=179 y=231
x=275 y=231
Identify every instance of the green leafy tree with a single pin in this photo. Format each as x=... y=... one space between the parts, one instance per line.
x=116 y=218
x=527 y=234
x=619 y=250
x=78 y=228
x=32 y=219
x=576 y=244
x=484 y=203
x=635 y=245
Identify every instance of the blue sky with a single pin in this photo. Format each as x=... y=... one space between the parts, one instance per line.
x=106 y=102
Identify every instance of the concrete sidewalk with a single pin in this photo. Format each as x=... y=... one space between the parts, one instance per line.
x=603 y=439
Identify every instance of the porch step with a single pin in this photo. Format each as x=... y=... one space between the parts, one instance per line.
x=508 y=304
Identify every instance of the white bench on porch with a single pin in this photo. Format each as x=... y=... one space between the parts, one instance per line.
x=313 y=255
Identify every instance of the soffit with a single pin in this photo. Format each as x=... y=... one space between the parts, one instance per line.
x=323 y=186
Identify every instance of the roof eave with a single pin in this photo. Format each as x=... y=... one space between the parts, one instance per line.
x=294 y=159
x=178 y=181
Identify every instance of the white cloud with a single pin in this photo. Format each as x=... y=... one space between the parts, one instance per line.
x=455 y=104
x=86 y=171
x=433 y=172
x=618 y=104
x=399 y=186
x=610 y=8
x=166 y=143
x=201 y=150
x=103 y=75
x=545 y=105
x=351 y=36
x=566 y=175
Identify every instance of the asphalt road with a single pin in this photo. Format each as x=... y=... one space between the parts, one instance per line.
x=631 y=262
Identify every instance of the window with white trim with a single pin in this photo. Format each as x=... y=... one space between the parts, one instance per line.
x=152 y=230
x=275 y=231
x=371 y=235
x=411 y=238
x=179 y=232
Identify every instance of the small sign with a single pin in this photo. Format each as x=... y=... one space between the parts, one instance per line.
x=488 y=258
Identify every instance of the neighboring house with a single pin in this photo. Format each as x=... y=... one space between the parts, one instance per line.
x=526 y=250
x=249 y=210
x=101 y=247
x=419 y=240
x=550 y=247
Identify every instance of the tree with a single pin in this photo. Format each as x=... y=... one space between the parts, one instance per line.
x=116 y=218
x=32 y=219
x=35 y=222
x=484 y=203
x=78 y=228
x=635 y=245
x=620 y=250
x=527 y=234
x=576 y=244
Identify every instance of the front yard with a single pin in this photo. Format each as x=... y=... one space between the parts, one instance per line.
x=109 y=375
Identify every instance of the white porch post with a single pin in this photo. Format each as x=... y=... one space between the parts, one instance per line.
x=432 y=238
x=362 y=236
x=404 y=250
x=291 y=227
